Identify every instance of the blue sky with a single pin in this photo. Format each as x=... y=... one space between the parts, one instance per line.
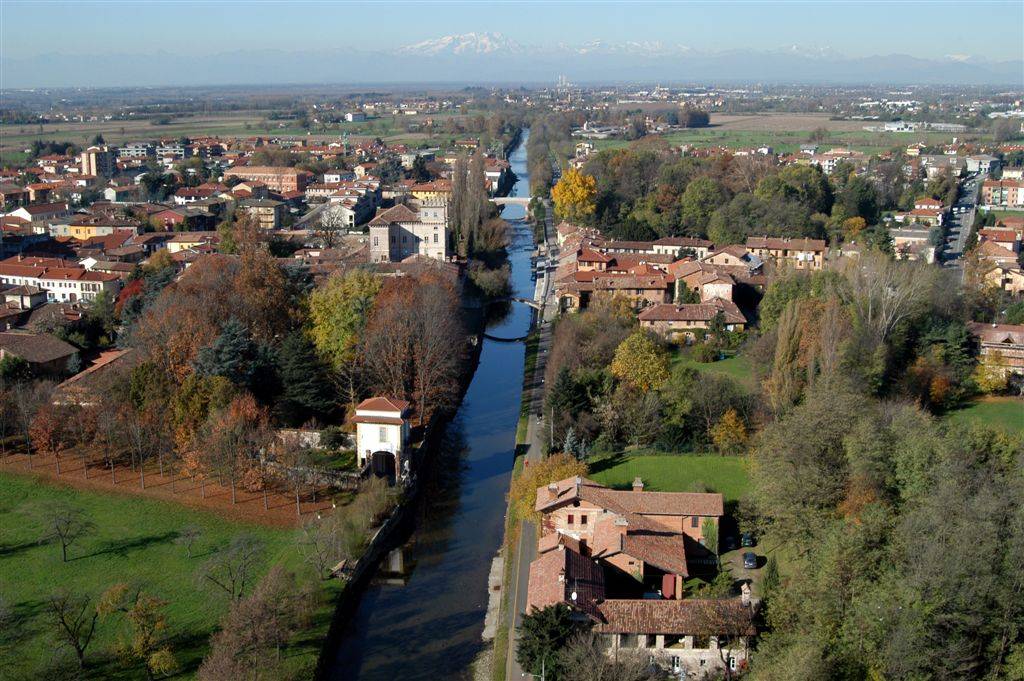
x=924 y=29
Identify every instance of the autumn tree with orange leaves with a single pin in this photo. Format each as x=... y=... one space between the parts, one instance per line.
x=234 y=437
x=414 y=342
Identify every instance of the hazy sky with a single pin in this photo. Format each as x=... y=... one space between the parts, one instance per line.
x=929 y=28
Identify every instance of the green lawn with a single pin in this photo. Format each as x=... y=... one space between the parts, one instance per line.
x=675 y=473
x=133 y=542
x=737 y=367
x=1006 y=413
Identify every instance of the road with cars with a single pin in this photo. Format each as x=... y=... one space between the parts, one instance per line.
x=962 y=217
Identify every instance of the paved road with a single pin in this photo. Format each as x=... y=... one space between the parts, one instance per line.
x=961 y=222
x=526 y=548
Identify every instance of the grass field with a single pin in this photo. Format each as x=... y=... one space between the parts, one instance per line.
x=786 y=132
x=675 y=473
x=737 y=368
x=133 y=542
x=1006 y=413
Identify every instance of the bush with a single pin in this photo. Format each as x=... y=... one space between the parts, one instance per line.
x=704 y=353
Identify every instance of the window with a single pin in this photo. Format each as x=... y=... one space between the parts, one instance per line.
x=572 y=519
x=732 y=663
x=383 y=434
x=374 y=241
x=675 y=663
x=435 y=237
x=694 y=521
x=583 y=520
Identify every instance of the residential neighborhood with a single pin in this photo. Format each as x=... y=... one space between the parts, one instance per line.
x=569 y=341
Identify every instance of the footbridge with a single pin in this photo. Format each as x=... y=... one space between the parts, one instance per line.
x=526 y=301
x=513 y=201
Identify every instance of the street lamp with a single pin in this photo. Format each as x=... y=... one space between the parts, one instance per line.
x=537 y=676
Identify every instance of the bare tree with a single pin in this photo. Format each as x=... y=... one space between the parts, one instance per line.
x=884 y=292
x=66 y=524
x=320 y=543
x=729 y=620
x=437 y=347
x=187 y=537
x=27 y=398
x=75 y=619
x=257 y=627
x=331 y=225
x=584 y=659
x=232 y=568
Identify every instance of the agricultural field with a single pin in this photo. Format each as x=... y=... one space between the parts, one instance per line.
x=135 y=540
x=727 y=475
x=786 y=132
x=14 y=139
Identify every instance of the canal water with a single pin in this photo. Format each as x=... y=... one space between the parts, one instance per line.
x=427 y=625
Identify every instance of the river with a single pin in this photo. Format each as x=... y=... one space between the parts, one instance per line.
x=428 y=625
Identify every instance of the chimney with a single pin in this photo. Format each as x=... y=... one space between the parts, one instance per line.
x=745 y=593
x=553 y=488
x=638 y=484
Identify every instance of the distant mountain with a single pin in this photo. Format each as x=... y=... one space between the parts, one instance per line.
x=464 y=44
x=482 y=58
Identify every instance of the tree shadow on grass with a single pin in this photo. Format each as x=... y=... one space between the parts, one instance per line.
x=607 y=462
x=16 y=547
x=123 y=547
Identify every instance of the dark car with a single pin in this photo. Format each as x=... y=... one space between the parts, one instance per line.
x=729 y=543
x=748 y=539
x=750 y=560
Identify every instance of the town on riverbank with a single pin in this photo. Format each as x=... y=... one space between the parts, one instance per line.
x=567 y=382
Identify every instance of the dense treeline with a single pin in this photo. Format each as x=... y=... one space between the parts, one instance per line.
x=902 y=535
x=550 y=143
x=648 y=191
x=612 y=385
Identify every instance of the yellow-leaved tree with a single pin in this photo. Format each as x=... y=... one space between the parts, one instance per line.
x=729 y=435
x=641 y=361
x=990 y=374
x=574 y=195
x=523 y=493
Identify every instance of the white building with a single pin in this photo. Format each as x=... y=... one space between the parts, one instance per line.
x=382 y=436
x=403 y=231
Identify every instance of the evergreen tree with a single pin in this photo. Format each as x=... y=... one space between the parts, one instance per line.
x=305 y=390
x=542 y=635
x=240 y=359
x=455 y=208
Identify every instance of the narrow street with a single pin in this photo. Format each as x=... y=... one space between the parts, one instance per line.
x=961 y=222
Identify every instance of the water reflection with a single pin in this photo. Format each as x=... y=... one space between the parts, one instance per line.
x=427 y=625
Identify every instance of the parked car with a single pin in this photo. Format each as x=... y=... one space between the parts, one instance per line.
x=750 y=560
x=729 y=543
x=748 y=539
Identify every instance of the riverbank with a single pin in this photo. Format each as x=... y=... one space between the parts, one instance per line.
x=433 y=611
x=516 y=548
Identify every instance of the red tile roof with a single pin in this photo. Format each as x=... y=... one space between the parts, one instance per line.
x=558 y=574
x=383 y=404
x=650 y=616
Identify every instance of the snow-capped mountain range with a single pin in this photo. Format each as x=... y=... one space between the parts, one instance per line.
x=465 y=43
x=487 y=57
